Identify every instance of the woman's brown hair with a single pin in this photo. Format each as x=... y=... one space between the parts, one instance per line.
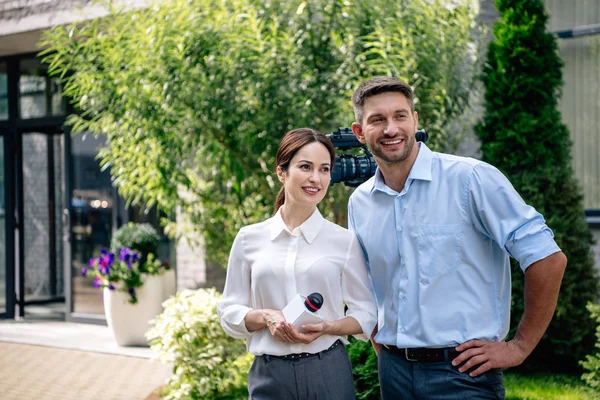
x=290 y=144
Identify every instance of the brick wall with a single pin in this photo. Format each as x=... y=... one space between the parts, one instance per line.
x=193 y=271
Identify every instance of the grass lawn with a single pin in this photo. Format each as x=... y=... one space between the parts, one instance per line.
x=546 y=387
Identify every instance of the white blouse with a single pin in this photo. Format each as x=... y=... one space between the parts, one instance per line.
x=269 y=265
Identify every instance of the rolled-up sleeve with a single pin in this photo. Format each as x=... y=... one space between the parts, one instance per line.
x=356 y=290
x=499 y=212
x=235 y=303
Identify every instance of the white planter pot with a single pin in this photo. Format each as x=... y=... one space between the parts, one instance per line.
x=129 y=322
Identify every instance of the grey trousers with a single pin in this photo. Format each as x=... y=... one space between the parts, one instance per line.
x=326 y=376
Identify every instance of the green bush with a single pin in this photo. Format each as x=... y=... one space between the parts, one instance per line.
x=592 y=361
x=522 y=134
x=207 y=364
x=364 y=369
x=142 y=238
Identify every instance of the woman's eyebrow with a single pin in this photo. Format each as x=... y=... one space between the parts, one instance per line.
x=310 y=162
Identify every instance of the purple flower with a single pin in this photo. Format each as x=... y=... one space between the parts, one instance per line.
x=98 y=282
x=111 y=287
x=103 y=267
x=105 y=262
x=84 y=272
x=91 y=262
x=128 y=256
x=131 y=291
x=124 y=254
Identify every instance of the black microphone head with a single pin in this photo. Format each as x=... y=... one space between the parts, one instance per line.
x=313 y=302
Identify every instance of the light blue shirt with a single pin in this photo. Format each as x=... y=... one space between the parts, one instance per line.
x=438 y=252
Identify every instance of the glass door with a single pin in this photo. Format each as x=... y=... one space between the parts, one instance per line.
x=93 y=212
x=7 y=204
x=43 y=196
x=7 y=230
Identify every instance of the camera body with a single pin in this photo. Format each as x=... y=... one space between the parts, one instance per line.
x=354 y=170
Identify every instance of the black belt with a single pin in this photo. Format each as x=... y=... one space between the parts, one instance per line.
x=423 y=354
x=299 y=356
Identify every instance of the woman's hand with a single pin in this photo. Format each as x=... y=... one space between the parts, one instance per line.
x=277 y=325
x=311 y=332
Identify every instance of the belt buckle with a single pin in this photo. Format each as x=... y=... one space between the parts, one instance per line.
x=407 y=357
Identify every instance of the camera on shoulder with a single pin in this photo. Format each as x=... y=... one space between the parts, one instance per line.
x=356 y=169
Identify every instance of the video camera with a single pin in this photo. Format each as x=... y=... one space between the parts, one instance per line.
x=354 y=170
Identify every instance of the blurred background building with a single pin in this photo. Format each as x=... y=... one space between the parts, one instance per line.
x=58 y=208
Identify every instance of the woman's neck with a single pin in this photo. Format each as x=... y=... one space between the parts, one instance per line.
x=294 y=215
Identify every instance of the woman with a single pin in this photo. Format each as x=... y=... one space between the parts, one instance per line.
x=298 y=251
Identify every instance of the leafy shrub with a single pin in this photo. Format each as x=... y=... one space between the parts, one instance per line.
x=207 y=364
x=364 y=369
x=142 y=238
x=522 y=134
x=592 y=361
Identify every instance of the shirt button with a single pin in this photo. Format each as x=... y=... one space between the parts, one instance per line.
x=400 y=229
x=424 y=281
x=402 y=330
x=403 y=296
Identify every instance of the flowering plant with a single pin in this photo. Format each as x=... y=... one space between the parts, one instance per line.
x=127 y=267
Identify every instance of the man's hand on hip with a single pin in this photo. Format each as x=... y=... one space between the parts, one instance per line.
x=488 y=355
x=376 y=346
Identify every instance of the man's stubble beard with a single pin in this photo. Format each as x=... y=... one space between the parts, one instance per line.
x=410 y=144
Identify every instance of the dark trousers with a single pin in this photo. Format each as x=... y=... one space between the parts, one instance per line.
x=326 y=376
x=401 y=379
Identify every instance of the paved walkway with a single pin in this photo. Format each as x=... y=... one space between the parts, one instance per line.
x=29 y=372
x=53 y=360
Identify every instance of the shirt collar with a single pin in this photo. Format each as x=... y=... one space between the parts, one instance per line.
x=421 y=169
x=309 y=229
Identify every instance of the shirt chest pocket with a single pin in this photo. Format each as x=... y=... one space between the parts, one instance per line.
x=438 y=248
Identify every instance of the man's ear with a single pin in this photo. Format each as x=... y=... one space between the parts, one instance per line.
x=416 y=118
x=280 y=175
x=358 y=132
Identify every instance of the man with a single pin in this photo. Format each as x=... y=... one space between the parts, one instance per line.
x=437 y=231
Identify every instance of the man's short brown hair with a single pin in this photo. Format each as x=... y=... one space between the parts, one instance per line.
x=378 y=85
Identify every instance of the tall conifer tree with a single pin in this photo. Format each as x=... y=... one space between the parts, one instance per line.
x=522 y=134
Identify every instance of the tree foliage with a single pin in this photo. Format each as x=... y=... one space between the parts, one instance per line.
x=194 y=95
x=592 y=361
x=522 y=134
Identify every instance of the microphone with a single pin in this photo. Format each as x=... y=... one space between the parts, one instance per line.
x=314 y=302
x=304 y=310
